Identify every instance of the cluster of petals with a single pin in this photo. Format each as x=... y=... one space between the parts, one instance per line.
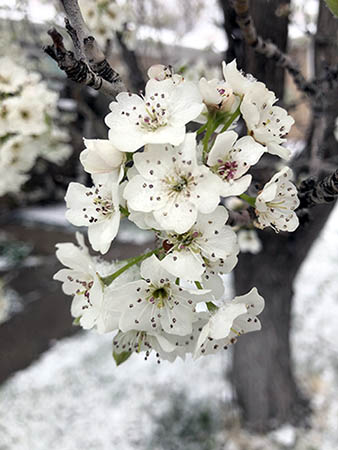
x=266 y=123
x=230 y=321
x=96 y=207
x=158 y=117
x=104 y=18
x=172 y=186
x=153 y=171
x=276 y=203
x=27 y=131
x=210 y=240
x=230 y=158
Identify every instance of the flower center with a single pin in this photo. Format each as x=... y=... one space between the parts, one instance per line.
x=25 y=114
x=83 y=289
x=227 y=169
x=159 y=295
x=180 y=185
x=104 y=207
x=182 y=241
x=155 y=113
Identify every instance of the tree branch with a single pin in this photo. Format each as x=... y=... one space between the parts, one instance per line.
x=269 y=49
x=135 y=73
x=78 y=70
x=313 y=192
x=76 y=22
x=89 y=65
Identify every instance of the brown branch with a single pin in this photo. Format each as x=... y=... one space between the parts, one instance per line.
x=78 y=70
x=313 y=192
x=89 y=65
x=269 y=49
x=76 y=22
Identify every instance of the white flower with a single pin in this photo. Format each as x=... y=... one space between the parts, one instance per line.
x=104 y=18
x=212 y=279
x=54 y=145
x=158 y=118
x=231 y=320
x=100 y=156
x=235 y=80
x=141 y=341
x=230 y=159
x=12 y=76
x=97 y=208
x=209 y=239
x=80 y=279
x=90 y=13
x=248 y=241
x=156 y=304
x=266 y=123
x=18 y=152
x=11 y=180
x=276 y=203
x=167 y=346
x=160 y=72
x=217 y=95
x=25 y=114
x=172 y=185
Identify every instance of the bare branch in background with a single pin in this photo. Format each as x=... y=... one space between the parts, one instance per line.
x=316 y=144
x=269 y=49
x=313 y=192
x=129 y=57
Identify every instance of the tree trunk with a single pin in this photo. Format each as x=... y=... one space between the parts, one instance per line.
x=262 y=370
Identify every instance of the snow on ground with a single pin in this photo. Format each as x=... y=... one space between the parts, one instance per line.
x=75 y=398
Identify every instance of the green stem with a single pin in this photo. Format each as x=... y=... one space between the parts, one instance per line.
x=124 y=211
x=131 y=262
x=248 y=199
x=200 y=130
x=211 y=307
x=231 y=118
x=210 y=129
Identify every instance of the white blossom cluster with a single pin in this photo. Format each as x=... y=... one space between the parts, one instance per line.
x=174 y=182
x=106 y=17
x=27 y=131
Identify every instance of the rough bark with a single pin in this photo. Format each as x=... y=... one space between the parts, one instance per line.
x=262 y=372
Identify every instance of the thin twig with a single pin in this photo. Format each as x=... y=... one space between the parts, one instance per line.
x=89 y=65
x=269 y=49
x=317 y=143
x=78 y=70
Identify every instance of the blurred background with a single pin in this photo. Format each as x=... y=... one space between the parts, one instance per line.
x=59 y=386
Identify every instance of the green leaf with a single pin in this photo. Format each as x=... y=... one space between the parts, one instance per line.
x=333 y=6
x=248 y=199
x=121 y=357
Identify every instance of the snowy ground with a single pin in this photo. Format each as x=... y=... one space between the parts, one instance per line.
x=75 y=398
